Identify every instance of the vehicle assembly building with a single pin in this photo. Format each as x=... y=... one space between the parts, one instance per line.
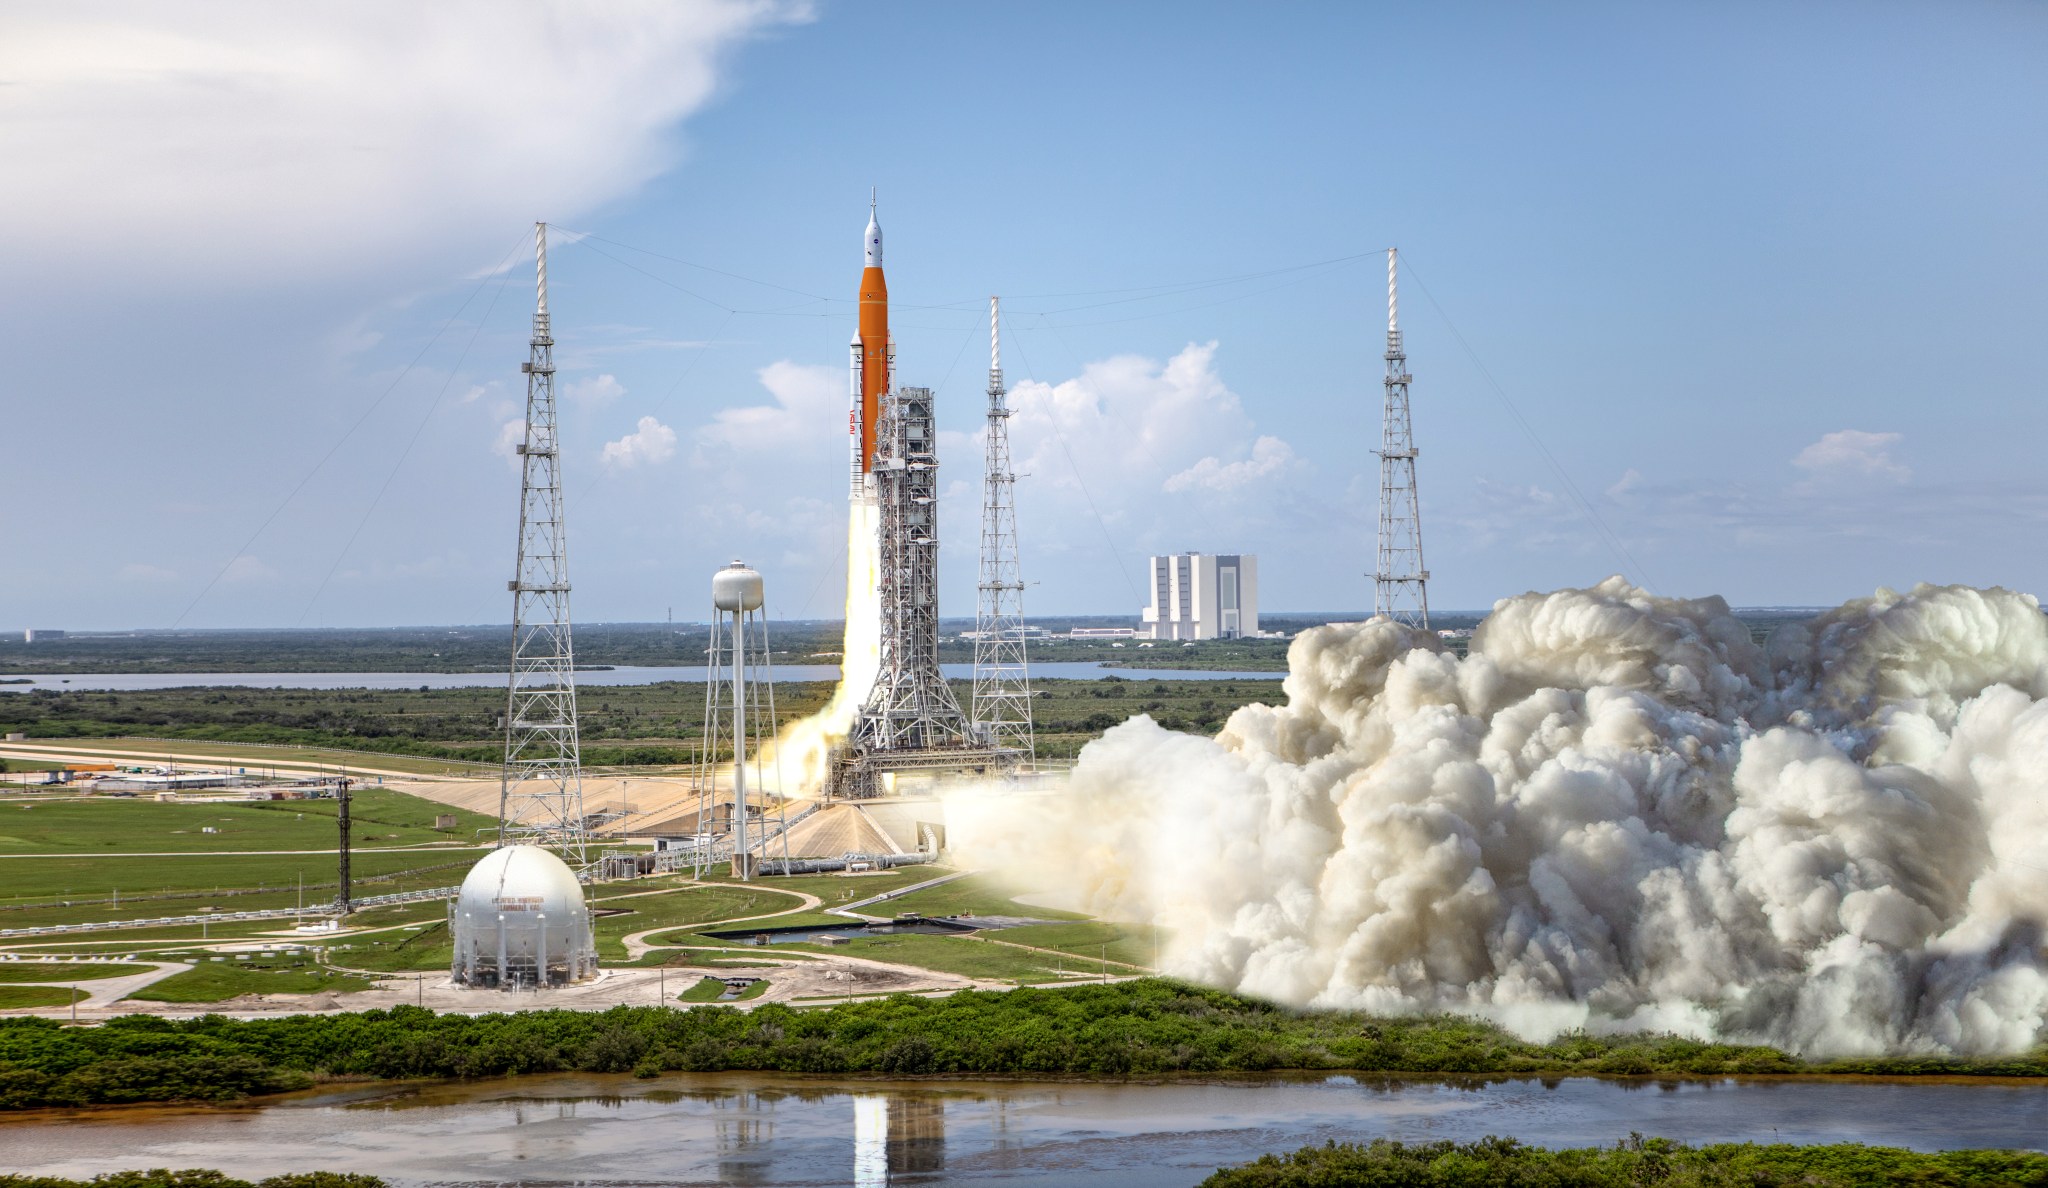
x=1203 y=596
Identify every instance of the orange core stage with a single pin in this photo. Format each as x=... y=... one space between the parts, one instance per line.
x=874 y=358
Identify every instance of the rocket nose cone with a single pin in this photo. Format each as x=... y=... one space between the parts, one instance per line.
x=874 y=240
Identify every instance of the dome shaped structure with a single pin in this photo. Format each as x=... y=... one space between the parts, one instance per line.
x=520 y=920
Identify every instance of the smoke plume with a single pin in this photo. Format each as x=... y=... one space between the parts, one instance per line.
x=800 y=752
x=1618 y=812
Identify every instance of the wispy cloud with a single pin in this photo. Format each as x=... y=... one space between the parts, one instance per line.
x=596 y=391
x=1851 y=455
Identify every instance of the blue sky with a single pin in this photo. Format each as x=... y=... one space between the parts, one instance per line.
x=1760 y=285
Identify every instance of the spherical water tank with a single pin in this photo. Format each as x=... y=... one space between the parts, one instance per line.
x=520 y=920
x=736 y=588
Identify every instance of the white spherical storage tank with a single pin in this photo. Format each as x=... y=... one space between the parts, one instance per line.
x=520 y=920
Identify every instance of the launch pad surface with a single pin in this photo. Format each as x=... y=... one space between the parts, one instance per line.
x=856 y=774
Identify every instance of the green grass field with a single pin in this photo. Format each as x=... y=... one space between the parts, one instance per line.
x=980 y=894
x=961 y=955
x=841 y=889
x=379 y=819
x=218 y=981
x=255 y=757
x=1086 y=939
x=17 y=997
x=793 y=920
x=17 y=972
x=58 y=865
x=156 y=941
x=65 y=890
x=707 y=989
x=411 y=937
x=688 y=905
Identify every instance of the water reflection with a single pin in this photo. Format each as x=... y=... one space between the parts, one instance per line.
x=743 y=1135
x=765 y=1129
x=897 y=1134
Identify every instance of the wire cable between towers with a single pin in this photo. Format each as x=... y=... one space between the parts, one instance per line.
x=447 y=382
x=1608 y=536
x=503 y=263
x=1115 y=554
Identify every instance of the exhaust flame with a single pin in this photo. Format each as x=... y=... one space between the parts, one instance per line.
x=1618 y=813
x=804 y=745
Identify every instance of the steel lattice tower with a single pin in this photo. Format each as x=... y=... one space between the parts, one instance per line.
x=1002 y=676
x=911 y=707
x=540 y=801
x=1401 y=584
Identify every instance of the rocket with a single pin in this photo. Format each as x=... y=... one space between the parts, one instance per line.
x=871 y=356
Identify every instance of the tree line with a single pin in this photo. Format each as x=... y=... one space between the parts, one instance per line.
x=1136 y=1028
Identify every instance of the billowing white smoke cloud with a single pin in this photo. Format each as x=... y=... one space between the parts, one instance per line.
x=1618 y=812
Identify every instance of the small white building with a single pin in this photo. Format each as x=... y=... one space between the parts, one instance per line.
x=1102 y=632
x=1203 y=596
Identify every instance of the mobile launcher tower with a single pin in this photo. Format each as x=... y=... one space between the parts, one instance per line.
x=910 y=721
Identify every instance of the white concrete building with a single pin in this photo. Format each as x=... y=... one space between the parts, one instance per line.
x=1203 y=596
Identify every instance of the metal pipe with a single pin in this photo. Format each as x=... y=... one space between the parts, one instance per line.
x=739 y=742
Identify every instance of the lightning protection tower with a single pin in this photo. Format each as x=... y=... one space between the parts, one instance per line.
x=1401 y=584
x=540 y=801
x=1002 y=677
x=739 y=714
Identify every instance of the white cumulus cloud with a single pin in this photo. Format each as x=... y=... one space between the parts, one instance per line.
x=650 y=443
x=1113 y=455
x=809 y=401
x=1854 y=454
x=1270 y=456
x=1128 y=424
x=510 y=434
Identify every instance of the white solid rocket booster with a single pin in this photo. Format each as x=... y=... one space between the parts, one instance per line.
x=853 y=393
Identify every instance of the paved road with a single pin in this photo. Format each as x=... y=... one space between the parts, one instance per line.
x=418 y=848
x=86 y=753
x=637 y=944
x=101 y=993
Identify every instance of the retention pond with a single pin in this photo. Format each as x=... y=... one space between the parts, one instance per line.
x=810 y=934
x=769 y=1130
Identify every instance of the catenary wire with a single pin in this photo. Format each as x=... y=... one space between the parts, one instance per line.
x=1030 y=373
x=503 y=263
x=447 y=382
x=1608 y=535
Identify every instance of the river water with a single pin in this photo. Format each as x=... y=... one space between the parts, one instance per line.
x=750 y=1129
x=1062 y=670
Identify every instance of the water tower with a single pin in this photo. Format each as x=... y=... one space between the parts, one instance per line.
x=739 y=714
